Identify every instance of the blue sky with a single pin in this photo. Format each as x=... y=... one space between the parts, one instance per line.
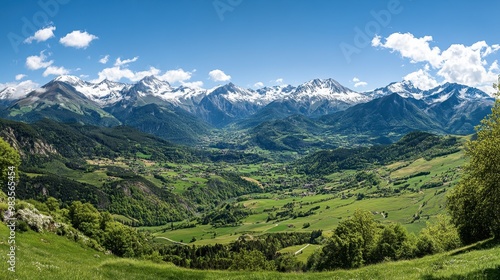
x=361 y=44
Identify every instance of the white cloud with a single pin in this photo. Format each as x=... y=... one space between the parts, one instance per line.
x=177 y=75
x=120 y=62
x=279 y=81
x=422 y=79
x=20 y=89
x=141 y=74
x=195 y=84
x=78 y=39
x=36 y=62
x=376 y=42
x=358 y=83
x=457 y=64
x=416 y=49
x=41 y=35
x=466 y=65
x=20 y=77
x=54 y=70
x=115 y=74
x=494 y=66
x=104 y=60
x=258 y=85
x=218 y=76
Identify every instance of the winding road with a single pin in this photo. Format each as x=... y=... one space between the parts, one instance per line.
x=173 y=241
x=300 y=250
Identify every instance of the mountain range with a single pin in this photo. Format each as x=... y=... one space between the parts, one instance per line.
x=184 y=114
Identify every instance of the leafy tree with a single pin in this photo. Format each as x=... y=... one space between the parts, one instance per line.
x=287 y=263
x=350 y=245
x=52 y=204
x=86 y=218
x=391 y=243
x=437 y=237
x=251 y=260
x=342 y=251
x=475 y=203
x=120 y=239
x=8 y=157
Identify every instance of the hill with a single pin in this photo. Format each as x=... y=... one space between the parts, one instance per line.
x=48 y=139
x=411 y=146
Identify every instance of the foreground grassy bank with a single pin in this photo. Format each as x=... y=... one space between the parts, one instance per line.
x=47 y=256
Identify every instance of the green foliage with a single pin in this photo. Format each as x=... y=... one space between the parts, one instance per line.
x=350 y=245
x=141 y=200
x=393 y=243
x=411 y=146
x=360 y=240
x=86 y=218
x=440 y=236
x=72 y=142
x=216 y=190
x=474 y=201
x=225 y=215
x=287 y=263
x=121 y=240
x=52 y=204
x=49 y=257
x=342 y=251
x=66 y=190
x=251 y=261
x=9 y=157
x=287 y=134
x=134 y=197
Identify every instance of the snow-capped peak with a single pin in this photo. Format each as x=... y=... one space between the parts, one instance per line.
x=327 y=89
x=105 y=92
x=153 y=81
x=68 y=79
x=150 y=85
x=461 y=92
x=314 y=85
x=404 y=88
x=270 y=94
x=235 y=93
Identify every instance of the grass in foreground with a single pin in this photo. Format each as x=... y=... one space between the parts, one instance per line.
x=47 y=256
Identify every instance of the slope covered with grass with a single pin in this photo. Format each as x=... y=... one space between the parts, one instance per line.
x=48 y=256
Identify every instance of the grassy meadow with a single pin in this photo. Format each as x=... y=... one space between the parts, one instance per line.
x=48 y=256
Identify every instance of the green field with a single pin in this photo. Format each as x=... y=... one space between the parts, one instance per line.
x=302 y=252
x=400 y=207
